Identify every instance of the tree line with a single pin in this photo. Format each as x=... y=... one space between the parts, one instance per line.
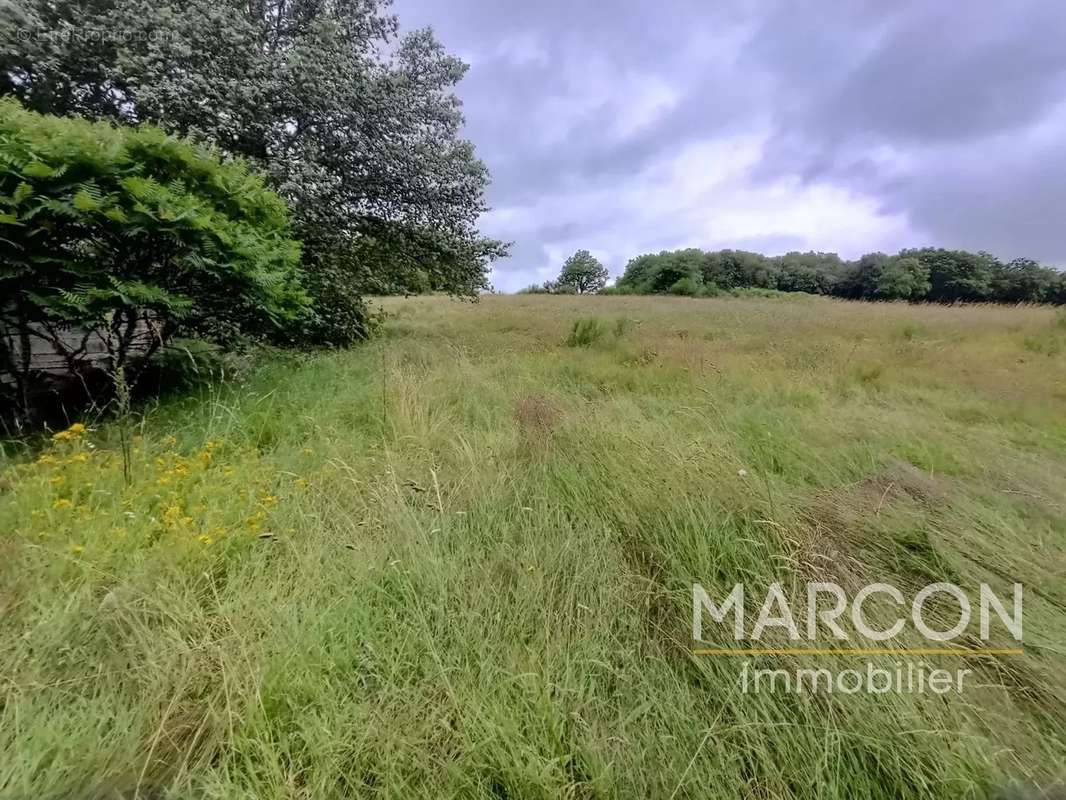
x=918 y=274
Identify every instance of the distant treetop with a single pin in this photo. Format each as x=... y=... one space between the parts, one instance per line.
x=931 y=274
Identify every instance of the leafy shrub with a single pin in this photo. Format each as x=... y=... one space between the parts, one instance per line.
x=586 y=332
x=710 y=290
x=549 y=287
x=533 y=288
x=187 y=363
x=686 y=287
x=132 y=235
x=755 y=291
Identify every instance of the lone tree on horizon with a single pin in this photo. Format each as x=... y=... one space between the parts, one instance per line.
x=583 y=272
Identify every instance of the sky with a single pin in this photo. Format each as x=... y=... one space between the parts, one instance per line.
x=632 y=126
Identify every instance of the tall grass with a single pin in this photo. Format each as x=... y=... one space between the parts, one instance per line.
x=485 y=591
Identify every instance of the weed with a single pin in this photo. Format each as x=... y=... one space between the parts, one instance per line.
x=586 y=332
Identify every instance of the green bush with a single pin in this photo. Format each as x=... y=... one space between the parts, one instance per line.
x=587 y=331
x=686 y=287
x=756 y=291
x=134 y=234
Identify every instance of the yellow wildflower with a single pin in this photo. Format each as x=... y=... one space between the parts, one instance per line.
x=171 y=513
x=48 y=460
x=269 y=500
x=62 y=502
x=75 y=431
x=79 y=458
x=56 y=480
x=76 y=549
x=204 y=539
x=170 y=441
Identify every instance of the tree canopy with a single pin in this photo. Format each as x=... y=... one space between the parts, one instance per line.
x=583 y=273
x=357 y=128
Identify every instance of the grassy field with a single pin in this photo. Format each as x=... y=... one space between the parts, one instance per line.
x=458 y=561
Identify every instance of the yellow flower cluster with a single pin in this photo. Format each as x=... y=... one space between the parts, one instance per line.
x=73 y=433
x=93 y=501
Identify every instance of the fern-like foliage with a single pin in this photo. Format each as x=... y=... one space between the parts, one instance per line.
x=99 y=223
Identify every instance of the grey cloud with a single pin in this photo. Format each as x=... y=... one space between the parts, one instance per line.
x=907 y=109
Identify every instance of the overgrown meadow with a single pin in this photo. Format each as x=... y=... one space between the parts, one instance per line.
x=457 y=561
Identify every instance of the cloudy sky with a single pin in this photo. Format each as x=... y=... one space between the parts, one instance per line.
x=629 y=126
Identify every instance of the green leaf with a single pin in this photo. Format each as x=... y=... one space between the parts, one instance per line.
x=37 y=169
x=22 y=191
x=83 y=201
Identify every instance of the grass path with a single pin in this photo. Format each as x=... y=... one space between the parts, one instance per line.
x=457 y=561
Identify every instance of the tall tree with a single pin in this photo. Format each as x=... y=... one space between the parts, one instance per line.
x=583 y=273
x=356 y=127
x=1024 y=281
x=956 y=274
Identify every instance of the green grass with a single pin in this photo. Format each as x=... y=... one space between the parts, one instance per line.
x=457 y=561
